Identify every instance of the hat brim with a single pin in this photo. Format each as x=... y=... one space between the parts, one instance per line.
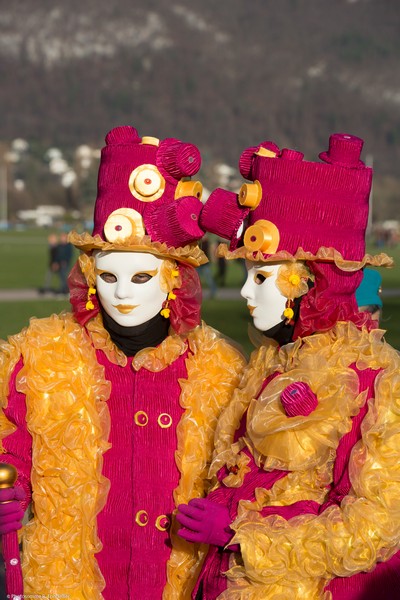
x=190 y=254
x=326 y=158
x=323 y=255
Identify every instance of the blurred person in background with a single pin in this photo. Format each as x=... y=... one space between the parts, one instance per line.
x=53 y=266
x=109 y=411
x=306 y=496
x=222 y=269
x=205 y=270
x=64 y=257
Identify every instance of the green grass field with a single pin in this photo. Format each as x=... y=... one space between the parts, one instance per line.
x=24 y=262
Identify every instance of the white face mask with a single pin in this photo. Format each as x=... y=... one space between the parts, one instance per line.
x=128 y=286
x=264 y=300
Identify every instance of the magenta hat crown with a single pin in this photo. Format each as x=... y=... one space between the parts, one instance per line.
x=295 y=204
x=344 y=151
x=145 y=195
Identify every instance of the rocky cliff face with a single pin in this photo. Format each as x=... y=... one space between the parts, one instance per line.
x=224 y=74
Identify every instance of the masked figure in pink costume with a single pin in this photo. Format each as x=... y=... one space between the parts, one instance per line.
x=306 y=502
x=109 y=412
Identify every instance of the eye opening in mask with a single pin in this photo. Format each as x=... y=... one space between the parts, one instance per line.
x=107 y=276
x=261 y=276
x=143 y=276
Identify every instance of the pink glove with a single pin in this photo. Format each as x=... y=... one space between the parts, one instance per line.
x=11 y=513
x=205 y=522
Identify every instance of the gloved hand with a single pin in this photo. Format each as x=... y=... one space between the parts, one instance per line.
x=205 y=522
x=11 y=512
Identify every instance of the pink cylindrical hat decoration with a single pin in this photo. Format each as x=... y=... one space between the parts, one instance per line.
x=126 y=134
x=175 y=223
x=178 y=159
x=223 y=215
x=290 y=154
x=246 y=159
x=344 y=151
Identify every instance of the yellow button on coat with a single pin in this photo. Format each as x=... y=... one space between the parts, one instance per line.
x=163 y=523
x=164 y=420
x=142 y=518
x=141 y=418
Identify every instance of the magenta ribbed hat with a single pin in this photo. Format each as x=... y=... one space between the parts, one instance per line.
x=145 y=199
x=316 y=205
x=296 y=208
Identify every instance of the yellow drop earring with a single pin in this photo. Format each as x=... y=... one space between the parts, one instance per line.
x=166 y=311
x=89 y=303
x=289 y=312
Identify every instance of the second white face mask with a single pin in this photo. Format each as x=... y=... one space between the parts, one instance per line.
x=264 y=300
x=128 y=286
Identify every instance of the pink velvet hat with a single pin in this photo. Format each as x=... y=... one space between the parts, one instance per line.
x=146 y=200
x=296 y=209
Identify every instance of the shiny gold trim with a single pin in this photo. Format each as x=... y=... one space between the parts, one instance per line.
x=164 y=425
x=138 y=414
x=163 y=527
x=139 y=514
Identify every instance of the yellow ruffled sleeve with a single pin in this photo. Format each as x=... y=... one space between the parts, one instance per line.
x=10 y=353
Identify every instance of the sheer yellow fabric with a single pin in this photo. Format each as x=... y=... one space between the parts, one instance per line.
x=323 y=255
x=296 y=558
x=190 y=254
x=68 y=419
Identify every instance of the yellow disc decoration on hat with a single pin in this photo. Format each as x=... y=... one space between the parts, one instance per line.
x=189 y=188
x=146 y=183
x=123 y=224
x=266 y=152
x=263 y=236
x=250 y=194
x=150 y=140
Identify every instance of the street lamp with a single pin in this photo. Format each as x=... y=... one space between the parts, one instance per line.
x=3 y=197
x=13 y=156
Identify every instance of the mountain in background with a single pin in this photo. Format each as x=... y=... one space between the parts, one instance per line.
x=223 y=74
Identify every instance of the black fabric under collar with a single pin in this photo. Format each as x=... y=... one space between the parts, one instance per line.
x=132 y=339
